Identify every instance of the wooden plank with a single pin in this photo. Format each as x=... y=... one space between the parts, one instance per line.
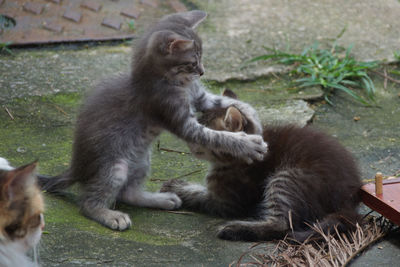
x=387 y=204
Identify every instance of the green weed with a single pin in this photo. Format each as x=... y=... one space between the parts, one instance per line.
x=6 y=22
x=4 y=47
x=131 y=25
x=396 y=55
x=331 y=69
x=394 y=72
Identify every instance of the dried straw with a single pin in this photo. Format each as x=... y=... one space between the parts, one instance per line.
x=332 y=250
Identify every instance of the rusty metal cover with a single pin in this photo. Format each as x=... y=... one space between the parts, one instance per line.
x=55 y=21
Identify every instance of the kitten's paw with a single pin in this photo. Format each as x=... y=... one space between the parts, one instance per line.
x=169 y=201
x=235 y=231
x=116 y=220
x=254 y=148
x=173 y=185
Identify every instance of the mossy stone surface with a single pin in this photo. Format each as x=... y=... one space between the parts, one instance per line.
x=42 y=129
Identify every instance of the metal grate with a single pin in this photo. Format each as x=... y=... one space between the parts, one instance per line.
x=54 y=21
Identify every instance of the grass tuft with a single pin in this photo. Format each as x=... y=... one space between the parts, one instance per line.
x=131 y=25
x=333 y=70
x=4 y=48
x=396 y=55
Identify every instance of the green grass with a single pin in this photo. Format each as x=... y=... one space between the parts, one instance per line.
x=131 y=25
x=397 y=55
x=333 y=69
x=6 y=22
x=4 y=48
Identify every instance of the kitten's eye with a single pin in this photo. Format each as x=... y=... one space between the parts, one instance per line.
x=192 y=64
x=11 y=229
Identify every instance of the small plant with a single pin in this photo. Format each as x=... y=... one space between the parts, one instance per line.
x=6 y=22
x=4 y=47
x=396 y=55
x=330 y=69
x=131 y=25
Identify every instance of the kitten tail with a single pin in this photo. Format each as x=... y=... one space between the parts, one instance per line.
x=56 y=183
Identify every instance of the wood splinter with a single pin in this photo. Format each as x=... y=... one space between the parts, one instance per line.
x=378 y=183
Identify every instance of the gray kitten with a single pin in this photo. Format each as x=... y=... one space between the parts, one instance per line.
x=122 y=116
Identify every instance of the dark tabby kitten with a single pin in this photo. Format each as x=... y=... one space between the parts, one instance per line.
x=121 y=117
x=21 y=219
x=306 y=177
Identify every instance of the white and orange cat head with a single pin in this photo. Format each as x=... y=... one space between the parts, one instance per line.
x=21 y=206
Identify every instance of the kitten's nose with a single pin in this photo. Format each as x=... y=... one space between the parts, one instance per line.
x=201 y=69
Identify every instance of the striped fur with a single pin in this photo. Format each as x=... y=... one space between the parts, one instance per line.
x=307 y=177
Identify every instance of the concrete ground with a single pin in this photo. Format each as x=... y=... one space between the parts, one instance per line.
x=41 y=90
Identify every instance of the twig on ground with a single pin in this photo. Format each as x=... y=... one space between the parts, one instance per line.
x=9 y=113
x=275 y=75
x=171 y=150
x=158 y=180
x=61 y=110
x=180 y=212
x=386 y=77
x=190 y=173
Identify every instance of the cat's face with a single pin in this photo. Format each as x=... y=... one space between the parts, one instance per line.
x=228 y=119
x=21 y=208
x=183 y=63
x=174 y=48
x=223 y=119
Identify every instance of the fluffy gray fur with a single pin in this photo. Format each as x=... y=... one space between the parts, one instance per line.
x=122 y=116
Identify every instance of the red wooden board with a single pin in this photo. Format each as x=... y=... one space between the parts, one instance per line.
x=387 y=204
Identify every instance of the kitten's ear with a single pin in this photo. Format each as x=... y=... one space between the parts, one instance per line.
x=194 y=18
x=233 y=120
x=190 y=19
x=229 y=93
x=18 y=180
x=180 y=45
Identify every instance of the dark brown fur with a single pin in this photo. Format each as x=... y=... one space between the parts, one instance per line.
x=306 y=177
